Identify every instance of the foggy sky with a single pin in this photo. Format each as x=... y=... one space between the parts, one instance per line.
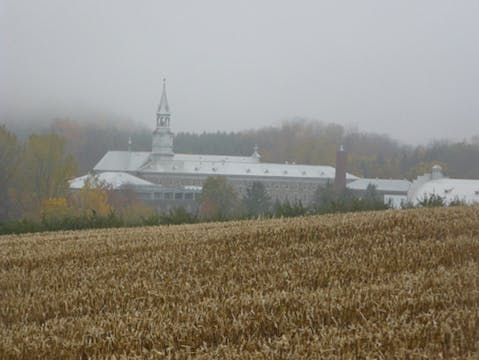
x=408 y=68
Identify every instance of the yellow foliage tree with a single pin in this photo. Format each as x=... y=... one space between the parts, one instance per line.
x=92 y=198
x=56 y=208
x=43 y=173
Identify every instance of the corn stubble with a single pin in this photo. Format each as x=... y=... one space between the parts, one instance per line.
x=401 y=284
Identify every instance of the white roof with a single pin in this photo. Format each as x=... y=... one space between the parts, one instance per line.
x=215 y=158
x=211 y=165
x=122 y=161
x=383 y=185
x=449 y=189
x=114 y=179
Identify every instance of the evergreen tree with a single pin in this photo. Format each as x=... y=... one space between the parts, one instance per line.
x=432 y=200
x=257 y=201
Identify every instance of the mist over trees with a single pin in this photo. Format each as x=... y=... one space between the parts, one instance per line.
x=37 y=161
x=370 y=155
x=35 y=169
x=298 y=140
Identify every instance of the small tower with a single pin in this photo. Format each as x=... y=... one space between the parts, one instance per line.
x=256 y=154
x=436 y=172
x=162 y=145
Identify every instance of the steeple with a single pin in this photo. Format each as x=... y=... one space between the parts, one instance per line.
x=163 y=112
x=162 y=144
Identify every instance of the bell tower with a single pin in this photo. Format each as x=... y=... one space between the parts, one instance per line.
x=162 y=144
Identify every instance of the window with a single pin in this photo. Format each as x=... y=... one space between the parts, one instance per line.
x=157 y=196
x=189 y=196
x=168 y=196
x=178 y=196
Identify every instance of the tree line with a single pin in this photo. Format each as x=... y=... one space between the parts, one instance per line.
x=97 y=206
x=35 y=169
x=302 y=141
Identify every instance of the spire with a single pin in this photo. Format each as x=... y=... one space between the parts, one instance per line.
x=164 y=108
x=162 y=142
x=163 y=113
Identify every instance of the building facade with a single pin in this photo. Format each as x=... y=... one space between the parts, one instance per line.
x=449 y=190
x=183 y=174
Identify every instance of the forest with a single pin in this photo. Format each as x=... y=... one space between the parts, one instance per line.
x=36 y=161
x=302 y=141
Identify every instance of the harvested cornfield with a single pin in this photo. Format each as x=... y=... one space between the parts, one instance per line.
x=393 y=284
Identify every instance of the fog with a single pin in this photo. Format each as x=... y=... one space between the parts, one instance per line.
x=407 y=68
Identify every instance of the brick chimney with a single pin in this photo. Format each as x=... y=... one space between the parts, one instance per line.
x=340 y=176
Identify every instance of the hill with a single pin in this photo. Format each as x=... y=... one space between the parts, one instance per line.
x=383 y=284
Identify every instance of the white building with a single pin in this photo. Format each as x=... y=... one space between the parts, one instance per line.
x=390 y=191
x=448 y=189
x=166 y=180
x=183 y=172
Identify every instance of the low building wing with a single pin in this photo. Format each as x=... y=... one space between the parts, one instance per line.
x=382 y=185
x=115 y=180
x=391 y=191
x=449 y=190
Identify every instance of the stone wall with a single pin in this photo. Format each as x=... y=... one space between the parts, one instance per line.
x=282 y=189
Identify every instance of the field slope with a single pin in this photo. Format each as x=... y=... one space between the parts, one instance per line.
x=401 y=284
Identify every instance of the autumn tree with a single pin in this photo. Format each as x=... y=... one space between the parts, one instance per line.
x=9 y=156
x=92 y=198
x=218 y=199
x=56 y=208
x=43 y=172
